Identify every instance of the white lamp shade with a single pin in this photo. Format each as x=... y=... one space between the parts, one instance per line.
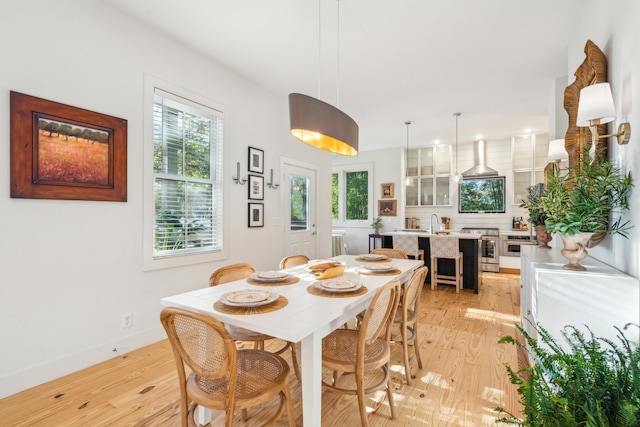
x=557 y=150
x=595 y=102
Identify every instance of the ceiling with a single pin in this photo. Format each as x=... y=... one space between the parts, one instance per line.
x=396 y=60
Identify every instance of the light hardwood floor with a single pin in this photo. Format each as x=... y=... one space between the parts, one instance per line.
x=462 y=380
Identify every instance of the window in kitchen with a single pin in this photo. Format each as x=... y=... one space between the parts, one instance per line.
x=529 y=158
x=351 y=194
x=430 y=168
x=183 y=180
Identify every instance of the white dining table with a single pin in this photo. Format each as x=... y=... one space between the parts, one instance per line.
x=306 y=318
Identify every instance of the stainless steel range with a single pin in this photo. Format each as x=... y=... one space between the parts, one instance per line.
x=489 y=247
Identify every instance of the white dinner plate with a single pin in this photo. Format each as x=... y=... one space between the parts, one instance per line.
x=373 y=257
x=379 y=267
x=270 y=276
x=337 y=285
x=248 y=298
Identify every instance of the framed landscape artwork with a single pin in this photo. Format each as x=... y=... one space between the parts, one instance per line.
x=63 y=152
x=387 y=207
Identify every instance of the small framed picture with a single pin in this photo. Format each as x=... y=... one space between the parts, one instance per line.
x=256 y=214
x=256 y=160
x=387 y=207
x=386 y=190
x=256 y=187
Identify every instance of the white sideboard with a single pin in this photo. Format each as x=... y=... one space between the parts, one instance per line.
x=601 y=297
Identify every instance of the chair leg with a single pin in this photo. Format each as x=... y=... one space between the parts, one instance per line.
x=416 y=343
x=362 y=406
x=405 y=353
x=392 y=408
x=294 y=360
x=287 y=394
x=434 y=272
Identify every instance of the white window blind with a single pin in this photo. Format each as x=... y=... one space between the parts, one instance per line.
x=187 y=166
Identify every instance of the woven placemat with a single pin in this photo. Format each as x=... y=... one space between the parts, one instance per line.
x=288 y=281
x=378 y=273
x=372 y=260
x=276 y=305
x=315 y=291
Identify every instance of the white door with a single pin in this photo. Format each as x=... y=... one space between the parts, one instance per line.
x=299 y=200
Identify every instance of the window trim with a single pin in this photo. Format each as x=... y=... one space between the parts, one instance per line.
x=341 y=170
x=148 y=211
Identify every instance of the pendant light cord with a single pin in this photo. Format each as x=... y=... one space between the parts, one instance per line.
x=406 y=174
x=319 y=48
x=338 y=54
x=456 y=176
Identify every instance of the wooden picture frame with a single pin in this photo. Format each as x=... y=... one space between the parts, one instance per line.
x=256 y=214
x=256 y=160
x=67 y=153
x=386 y=191
x=256 y=187
x=387 y=207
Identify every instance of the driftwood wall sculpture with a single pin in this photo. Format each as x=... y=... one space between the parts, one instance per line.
x=592 y=70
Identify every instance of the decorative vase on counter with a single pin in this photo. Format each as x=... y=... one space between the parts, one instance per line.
x=575 y=250
x=543 y=237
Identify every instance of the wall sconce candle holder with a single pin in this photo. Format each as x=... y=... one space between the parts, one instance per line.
x=270 y=184
x=237 y=179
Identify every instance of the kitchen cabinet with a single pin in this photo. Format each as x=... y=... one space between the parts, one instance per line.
x=601 y=297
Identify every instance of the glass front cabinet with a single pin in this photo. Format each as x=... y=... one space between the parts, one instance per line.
x=529 y=158
x=430 y=168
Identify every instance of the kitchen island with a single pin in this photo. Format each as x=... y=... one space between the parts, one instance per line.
x=469 y=246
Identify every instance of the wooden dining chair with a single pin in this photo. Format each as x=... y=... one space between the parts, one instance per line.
x=230 y=273
x=446 y=247
x=363 y=351
x=293 y=261
x=406 y=318
x=223 y=377
x=391 y=253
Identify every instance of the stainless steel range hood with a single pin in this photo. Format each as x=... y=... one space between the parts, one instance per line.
x=480 y=167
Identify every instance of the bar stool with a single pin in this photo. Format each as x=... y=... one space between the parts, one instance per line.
x=408 y=244
x=445 y=247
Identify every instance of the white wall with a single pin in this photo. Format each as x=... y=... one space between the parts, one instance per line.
x=613 y=27
x=70 y=269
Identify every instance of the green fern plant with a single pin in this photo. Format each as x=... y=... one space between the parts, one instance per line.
x=596 y=382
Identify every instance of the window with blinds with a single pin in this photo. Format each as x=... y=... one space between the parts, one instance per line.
x=187 y=168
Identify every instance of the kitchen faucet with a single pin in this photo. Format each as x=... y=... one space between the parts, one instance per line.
x=433 y=230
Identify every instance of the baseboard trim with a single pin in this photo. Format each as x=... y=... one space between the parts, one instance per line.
x=510 y=270
x=27 y=378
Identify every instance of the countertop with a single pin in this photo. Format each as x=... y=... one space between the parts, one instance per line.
x=425 y=233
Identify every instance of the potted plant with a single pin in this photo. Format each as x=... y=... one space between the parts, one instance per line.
x=377 y=225
x=578 y=204
x=590 y=382
x=537 y=216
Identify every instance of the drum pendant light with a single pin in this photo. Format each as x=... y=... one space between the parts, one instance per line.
x=320 y=124
x=408 y=180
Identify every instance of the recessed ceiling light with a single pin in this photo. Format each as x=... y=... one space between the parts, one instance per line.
x=479 y=136
x=436 y=142
x=528 y=130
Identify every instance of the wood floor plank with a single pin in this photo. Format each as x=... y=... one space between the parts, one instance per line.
x=462 y=380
